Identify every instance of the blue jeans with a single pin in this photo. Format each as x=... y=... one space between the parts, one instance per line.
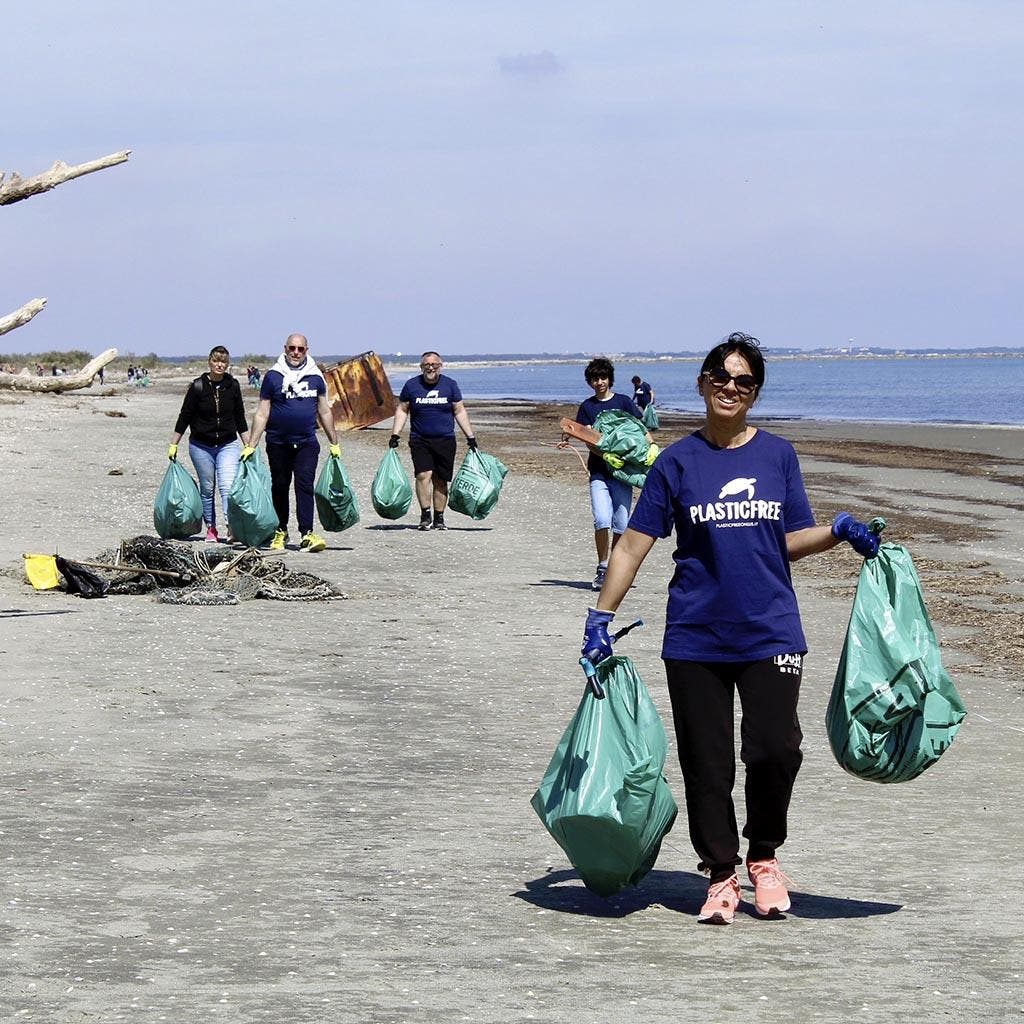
x=610 y=500
x=215 y=463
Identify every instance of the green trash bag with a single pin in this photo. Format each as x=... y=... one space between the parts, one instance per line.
x=893 y=709
x=650 y=420
x=391 y=492
x=624 y=446
x=475 y=490
x=251 y=514
x=603 y=797
x=335 y=499
x=177 y=508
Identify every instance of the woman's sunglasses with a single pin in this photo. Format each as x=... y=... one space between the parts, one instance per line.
x=744 y=382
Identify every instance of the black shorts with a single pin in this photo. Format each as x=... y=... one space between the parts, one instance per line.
x=433 y=455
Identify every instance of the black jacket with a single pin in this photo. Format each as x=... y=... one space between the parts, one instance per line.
x=215 y=414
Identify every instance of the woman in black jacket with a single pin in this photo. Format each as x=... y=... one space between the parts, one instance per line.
x=214 y=413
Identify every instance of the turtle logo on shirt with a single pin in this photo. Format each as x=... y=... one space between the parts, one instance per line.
x=738 y=486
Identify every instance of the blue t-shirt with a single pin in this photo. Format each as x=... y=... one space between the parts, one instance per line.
x=431 y=410
x=587 y=413
x=292 y=411
x=642 y=394
x=731 y=597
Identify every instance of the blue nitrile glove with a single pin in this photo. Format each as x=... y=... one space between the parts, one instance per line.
x=471 y=441
x=393 y=441
x=856 y=534
x=597 y=644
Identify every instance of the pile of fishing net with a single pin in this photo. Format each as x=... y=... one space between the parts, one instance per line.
x=207 y=575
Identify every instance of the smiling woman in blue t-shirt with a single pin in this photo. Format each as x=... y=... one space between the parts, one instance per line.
x=735 y=498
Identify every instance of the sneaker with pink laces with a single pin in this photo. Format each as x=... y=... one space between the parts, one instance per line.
x=771 y=897
x=723 y=899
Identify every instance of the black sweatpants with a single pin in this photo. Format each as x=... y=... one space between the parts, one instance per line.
x=298 y=461
x=702 y=712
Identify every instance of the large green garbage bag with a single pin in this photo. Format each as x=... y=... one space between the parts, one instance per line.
x=603 y=797
x=893 y=709
x=624 y=446
x=475 y=490
x=391 y=492
x=177 y=507
x=251 y=514
x=650 y=420
x=335 y=499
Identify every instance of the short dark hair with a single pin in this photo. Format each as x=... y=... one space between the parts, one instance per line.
x=742 y=344
x=636 y=380
x=599 y=367
x=218 y=350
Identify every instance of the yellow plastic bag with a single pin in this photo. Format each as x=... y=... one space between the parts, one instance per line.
x=41 y=571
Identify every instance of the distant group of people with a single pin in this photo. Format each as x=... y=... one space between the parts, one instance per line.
x=292 y=403
x=253 y=375
x=138 y=375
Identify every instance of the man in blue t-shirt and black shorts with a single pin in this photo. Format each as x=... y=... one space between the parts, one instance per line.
x=432 y=403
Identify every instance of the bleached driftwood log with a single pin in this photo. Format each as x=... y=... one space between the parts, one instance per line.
x=16 y=188
x=67 y=382
x=21 y=316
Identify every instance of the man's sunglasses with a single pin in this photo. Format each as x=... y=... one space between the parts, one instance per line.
x=295 y=348
x=744 y=382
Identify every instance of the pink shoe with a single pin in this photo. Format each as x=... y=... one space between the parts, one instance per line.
x=723 y=899
x=771 y=897
x=211 y=536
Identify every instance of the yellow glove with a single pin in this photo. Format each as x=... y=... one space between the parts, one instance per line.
x=652 y=453
x=172 y=452
x=335 y=451
x=613 y=460
x=247 y=452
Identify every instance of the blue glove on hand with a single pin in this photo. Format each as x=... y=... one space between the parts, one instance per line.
x=856 y=534
x=597 y=644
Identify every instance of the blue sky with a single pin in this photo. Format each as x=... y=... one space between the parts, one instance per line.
x=498 y=177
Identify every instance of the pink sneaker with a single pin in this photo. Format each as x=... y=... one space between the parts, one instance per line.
x=771 y=897
x=723 y=899
x=211 y=536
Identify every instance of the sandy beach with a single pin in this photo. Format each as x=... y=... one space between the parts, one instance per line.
x=319 y=811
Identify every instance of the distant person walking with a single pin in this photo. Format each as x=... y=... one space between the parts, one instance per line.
x=643 y=393
x=293 y=397
x=213 y=412
x=432 y=403
x=610 y=499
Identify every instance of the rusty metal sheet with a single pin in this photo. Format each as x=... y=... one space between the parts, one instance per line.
x=359 y=392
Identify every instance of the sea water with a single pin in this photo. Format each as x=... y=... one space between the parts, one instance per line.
x=972 y=389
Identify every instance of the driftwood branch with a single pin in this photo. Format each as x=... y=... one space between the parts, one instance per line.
x=16 y=188
x=21 y=316
x=65 y=382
